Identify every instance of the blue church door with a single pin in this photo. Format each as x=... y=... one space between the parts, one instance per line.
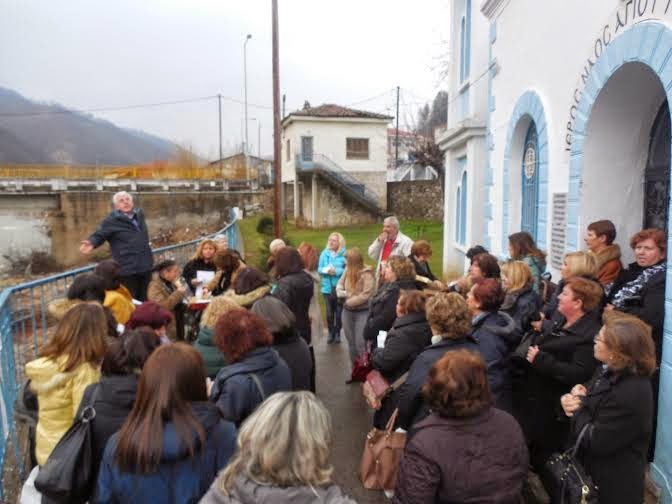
x=530 y=173
x=657 y=174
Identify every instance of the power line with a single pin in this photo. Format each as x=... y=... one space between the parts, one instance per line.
x=129 y=107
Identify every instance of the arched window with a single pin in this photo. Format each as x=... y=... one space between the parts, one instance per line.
x=465 y=42
x=530 y=184
x=461 y=204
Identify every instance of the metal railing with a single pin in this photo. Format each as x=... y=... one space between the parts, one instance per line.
x=322 y=164
x=24 y=327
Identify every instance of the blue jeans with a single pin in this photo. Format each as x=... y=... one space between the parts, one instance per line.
x=334 y=309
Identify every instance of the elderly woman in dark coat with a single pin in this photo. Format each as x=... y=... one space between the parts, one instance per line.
x=466 y=450
x=640 y=291
x=409 y=336
x=450 y=322
x=495 y=333
x=398 y=274
x=617 y=406
x=555 y=362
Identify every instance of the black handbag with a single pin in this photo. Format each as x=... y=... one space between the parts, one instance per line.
x=68 y=475
x=571 y=484
x=526 y=342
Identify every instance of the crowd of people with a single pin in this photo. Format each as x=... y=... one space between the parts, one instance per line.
x=493 y=372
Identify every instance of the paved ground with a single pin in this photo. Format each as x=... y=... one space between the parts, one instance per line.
x=351 y=418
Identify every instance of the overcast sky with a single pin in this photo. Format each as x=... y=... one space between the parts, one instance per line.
x=90 y=54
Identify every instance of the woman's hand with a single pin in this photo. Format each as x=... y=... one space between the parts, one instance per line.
x=570 y=403
x=195 y=282
x=205 y=292
x=208 y=385
x=579 y=390
x=532 y=353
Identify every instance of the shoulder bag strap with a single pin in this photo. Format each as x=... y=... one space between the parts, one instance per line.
x=399 y=381
x=576 y=446
x=260 y=387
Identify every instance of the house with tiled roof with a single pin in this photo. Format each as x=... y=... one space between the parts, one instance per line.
x=334 y=164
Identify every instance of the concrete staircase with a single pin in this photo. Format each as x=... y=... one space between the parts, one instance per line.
x=339 y=179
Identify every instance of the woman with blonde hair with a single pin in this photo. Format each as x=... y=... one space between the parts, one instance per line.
x=68 y=363
x=331 y=267
x=521 y=302
x=282 y=456
x=354 y=289
x=205 y=343
x=582 y=264
x=202 y=260
x=450 y=321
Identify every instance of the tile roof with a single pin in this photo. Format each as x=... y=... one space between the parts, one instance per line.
x=331 y=110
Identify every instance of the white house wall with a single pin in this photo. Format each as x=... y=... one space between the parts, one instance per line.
x=329 y=139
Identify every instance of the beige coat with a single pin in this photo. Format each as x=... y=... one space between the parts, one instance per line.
x=357 y=298
x=157 y=292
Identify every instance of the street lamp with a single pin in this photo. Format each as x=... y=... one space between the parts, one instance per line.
x=247 y=164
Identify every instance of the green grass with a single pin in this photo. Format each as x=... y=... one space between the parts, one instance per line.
x=355 y=236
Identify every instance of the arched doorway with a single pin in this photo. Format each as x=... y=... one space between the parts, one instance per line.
x=626 y=155
x=657 y=174
x=530 y=182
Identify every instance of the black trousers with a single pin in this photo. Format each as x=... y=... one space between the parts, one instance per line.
x=137 y=284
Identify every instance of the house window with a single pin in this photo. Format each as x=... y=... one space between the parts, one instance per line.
x=461 y=204
x=288 y=155
x=356 y=148
x=465 y=42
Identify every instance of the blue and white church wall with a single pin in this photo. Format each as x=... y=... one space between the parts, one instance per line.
x=576 y=91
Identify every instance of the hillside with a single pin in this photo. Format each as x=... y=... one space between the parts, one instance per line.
x=54 y=134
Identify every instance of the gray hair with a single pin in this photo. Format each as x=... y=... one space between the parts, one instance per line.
x=221 y=237
x=392 y=220
x=275 y=313
x=276 y=244
x=119 y=195
x=285 y=442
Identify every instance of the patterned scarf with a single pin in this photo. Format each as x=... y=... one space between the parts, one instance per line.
x=632 y=290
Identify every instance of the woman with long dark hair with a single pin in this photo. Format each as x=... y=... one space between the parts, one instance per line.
x=174 y=442
x=295 y=288
x=523 y=248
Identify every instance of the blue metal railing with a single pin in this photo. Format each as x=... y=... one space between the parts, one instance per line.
x=24 y=326
x=323 y=164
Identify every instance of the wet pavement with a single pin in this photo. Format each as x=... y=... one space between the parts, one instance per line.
x=351 y=417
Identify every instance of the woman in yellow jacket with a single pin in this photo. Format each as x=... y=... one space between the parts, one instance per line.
x=117 y=297
x=68 y=363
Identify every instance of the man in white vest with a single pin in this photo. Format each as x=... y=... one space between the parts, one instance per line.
x=391 y=242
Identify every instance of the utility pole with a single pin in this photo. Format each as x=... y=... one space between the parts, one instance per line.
x=277 y=229
x=219 y=100
x=396 y=140
x=247 y=141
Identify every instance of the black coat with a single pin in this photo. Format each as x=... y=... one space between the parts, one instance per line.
x=649 y=307
x=296 y=291
x=190 y=269
x=411 y=406
x=523 y=306
x=614 y=449
x=116 y=395
x=495 y=333
x=383 y=307
x=296 y=354
x=422 y=269
x=565 y=359
x=129 y=244
x=409 y=336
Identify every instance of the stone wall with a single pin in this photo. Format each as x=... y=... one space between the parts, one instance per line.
x=418 y=199
x=56 y=223
x=376 y=182
x=333 y=207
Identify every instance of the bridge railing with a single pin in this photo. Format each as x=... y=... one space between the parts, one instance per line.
x=24 y=327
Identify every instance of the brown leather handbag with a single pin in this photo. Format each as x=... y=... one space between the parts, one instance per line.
x=382 y=454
